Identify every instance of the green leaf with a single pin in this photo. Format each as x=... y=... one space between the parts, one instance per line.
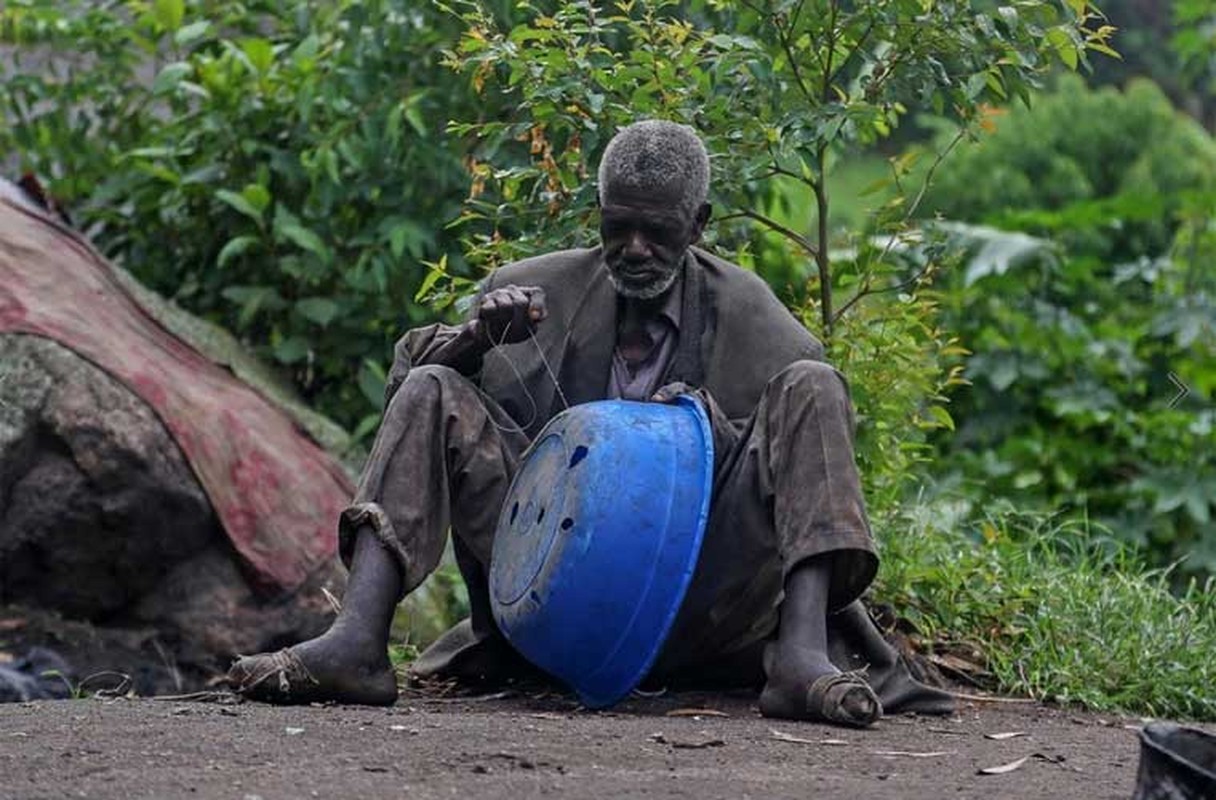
x=260 y=53
x=942 y=417
x=240 y=203
x=437 y=271
x=192 y=32
x=291 y=350
x=407 y=235
x=253 y=299
x=286 y=226
x=169 y=13
x=372 y=381
x=170 y=76
x=367 y=425
x=1064 y=45
x=413 y=114
x=236 y=246
x=257 y=195
x=320 y=310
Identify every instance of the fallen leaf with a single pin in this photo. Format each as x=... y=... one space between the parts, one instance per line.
x=696 y=712
x=686 y=744
x=955 y=663
x=699 y=745
x=912 y=754
x=787 y=737
x=1003 y=768
x=1000 y=737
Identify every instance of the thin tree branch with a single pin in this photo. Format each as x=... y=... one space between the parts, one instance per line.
x=865 y=35
x=924 y=186
x=867 y=287
x=866 y=292
x=789 y=53
x=777 y=227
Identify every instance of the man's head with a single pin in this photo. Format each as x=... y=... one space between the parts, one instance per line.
x=653 y=184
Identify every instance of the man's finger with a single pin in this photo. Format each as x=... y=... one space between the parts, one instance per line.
x=670 y=392
x=488 y=305
x=515 y=295
x=536 y=304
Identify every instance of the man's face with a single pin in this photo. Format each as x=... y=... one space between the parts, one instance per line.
x=644 y=244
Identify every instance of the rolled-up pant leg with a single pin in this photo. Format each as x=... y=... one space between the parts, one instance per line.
x=786 y=489
x=444 y=456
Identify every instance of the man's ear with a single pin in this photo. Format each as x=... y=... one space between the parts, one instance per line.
x=700 y=221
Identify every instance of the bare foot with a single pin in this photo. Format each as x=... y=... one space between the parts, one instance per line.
x=804 y=685
x=334 y=667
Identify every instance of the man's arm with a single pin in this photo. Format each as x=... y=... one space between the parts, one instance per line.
x=505 y=315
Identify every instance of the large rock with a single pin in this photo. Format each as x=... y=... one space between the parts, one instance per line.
x=102 y=520
x=98 y=502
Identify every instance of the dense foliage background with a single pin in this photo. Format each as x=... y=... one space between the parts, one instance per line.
x=1003 y=232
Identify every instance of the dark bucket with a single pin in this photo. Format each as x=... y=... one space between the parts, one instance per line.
x=1176 y=763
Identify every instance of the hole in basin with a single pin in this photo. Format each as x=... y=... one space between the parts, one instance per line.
x=567 y=524
x=541 y=515
x=514 y=512
x=578 y=455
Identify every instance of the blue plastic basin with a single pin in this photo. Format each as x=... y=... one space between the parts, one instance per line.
x=598 y=539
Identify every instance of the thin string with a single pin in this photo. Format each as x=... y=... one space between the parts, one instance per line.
x=561 y=395
x=520 y=429
x=535 y=410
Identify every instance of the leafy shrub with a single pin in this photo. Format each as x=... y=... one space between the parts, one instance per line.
x=279 y=167
x=1073 y=402
x=1104 y=171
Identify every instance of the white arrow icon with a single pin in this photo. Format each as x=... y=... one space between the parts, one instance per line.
x=1183 y=390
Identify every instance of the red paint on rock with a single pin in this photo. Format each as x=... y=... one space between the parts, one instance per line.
x=277 y=493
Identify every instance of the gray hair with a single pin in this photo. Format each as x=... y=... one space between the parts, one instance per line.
x=657 y=157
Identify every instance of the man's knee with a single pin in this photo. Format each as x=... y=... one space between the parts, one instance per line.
x=811 y=376
x=431 y=382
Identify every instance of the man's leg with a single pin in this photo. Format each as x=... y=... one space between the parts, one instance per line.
x=444 y=455
x=788 y=542
x=800 y=679
x=855 y=643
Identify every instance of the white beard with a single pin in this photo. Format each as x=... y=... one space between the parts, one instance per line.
x=648 y=292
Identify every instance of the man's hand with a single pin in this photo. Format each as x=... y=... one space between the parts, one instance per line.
x=509 y=314
x=669 y=393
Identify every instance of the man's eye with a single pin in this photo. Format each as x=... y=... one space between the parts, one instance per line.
x=613 y=228
x=663 y=234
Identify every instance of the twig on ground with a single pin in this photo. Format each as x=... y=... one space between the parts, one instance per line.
x=202 y=697
x=334 y=602
x=980 y=698
x=789 y=737
x=478 y=698
x=696 y=712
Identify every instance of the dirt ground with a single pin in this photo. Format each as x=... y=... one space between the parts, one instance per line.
x=684 y=745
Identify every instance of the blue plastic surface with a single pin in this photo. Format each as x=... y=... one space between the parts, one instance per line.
x=598 y=538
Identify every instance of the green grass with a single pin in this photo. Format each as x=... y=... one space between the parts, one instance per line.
x=1060 y=611
x=438 y=604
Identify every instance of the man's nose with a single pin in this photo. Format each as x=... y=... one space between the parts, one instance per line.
x=636 y=246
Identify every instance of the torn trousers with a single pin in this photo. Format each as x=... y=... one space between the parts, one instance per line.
x=786 y=489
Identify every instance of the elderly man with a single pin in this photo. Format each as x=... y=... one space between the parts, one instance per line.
x=645 y=316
